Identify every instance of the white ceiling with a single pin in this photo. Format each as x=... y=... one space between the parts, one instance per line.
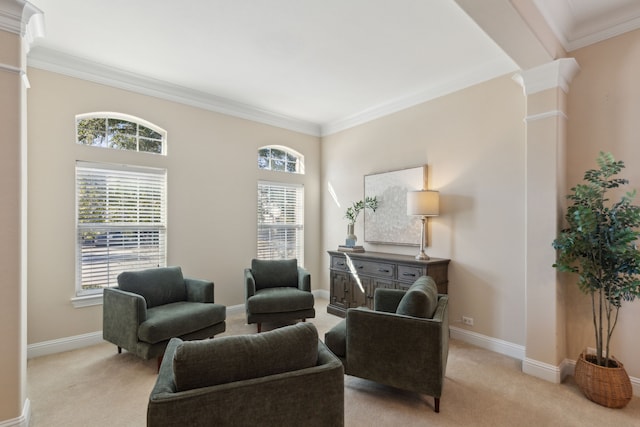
x=313 y=66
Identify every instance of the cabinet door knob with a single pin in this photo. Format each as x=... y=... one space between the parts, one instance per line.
x=409 y=274
x=383 y=270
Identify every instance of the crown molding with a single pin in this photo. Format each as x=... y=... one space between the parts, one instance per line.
x=574 y=35
x=595 y=36
x=62 y=63
x=470 y=78
x=22 y=18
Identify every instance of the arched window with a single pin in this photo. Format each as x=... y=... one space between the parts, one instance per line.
x=120 y=132
x=280 y=158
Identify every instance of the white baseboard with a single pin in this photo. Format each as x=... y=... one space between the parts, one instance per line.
x=63 y=344
x=545 y=371
x=321 y=293
x=499 y=346
x=233 y=309
x=542 y=370
x=23 y=420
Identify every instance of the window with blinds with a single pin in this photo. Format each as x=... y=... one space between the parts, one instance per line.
x=280 y=221
x=120 y=223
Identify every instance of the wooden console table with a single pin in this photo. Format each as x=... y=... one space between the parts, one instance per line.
x=377 y=270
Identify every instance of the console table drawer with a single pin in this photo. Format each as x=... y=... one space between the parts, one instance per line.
x=408 y=273
x=339 y=263
x=378 y=269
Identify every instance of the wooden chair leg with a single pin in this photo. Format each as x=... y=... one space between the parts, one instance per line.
x=259 y=327
x=437 y=404
x=304 y=320
x=119 y=350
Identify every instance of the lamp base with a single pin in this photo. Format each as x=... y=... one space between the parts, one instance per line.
x=422 y=256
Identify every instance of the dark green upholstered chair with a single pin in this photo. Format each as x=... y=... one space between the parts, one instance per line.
x=149 y=307
x=403 y=342
x=283 y=377
x=277 y=291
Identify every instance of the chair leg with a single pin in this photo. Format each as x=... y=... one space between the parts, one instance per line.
x=304 y=320
x=119 y=350
x=259 y=327
x=437 y=404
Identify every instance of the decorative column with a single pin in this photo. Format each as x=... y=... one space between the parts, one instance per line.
x=546 y=87
x=20 y=22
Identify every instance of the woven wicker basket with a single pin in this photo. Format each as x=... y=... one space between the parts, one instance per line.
x=610 y=387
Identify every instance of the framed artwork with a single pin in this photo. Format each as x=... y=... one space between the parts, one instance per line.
x=390 y=223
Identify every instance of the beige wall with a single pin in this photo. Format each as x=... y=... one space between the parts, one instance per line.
x=12 y=279
x=604 y=115
x=212 y=177
x=473 y=143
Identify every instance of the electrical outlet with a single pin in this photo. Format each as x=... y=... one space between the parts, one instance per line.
x=467 y=320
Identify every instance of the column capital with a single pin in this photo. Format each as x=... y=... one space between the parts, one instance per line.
x=22 y=18
x=558 y=73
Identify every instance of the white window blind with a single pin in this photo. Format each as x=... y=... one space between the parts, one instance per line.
x=121 y=222
x=280 y=221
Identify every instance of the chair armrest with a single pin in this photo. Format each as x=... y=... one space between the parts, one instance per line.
x=387 y=299
x=122 y=313
x=165 y=383
x=249 y=283
x=304 y=280
x=199 y=290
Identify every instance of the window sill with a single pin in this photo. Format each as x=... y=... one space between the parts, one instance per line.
x=86 y=300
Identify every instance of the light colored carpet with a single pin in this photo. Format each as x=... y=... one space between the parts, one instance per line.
x=95 y=386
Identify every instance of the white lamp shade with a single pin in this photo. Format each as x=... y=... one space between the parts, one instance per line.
x=423 y=203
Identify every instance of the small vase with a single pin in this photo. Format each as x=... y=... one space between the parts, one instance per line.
x=351 y=237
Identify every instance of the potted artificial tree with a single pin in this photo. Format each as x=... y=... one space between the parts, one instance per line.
x=599 y=245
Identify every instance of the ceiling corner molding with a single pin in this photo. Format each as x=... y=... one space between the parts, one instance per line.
x=61 y=63
x=558 y=73
x=469 y=78
x=598 y=36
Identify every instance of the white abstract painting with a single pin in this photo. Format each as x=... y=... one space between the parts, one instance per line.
x=390 y=224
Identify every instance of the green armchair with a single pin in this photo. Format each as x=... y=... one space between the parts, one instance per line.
x=284 y=377
x=149 y=307
x=276 y=291
x=403 y=342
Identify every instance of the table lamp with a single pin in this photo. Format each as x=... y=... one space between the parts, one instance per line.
x=424 y=203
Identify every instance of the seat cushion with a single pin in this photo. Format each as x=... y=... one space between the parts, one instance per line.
x=275 y=273
x=179 y=318
x=158 y=286
x=279 y=300
x=336 y=339
x=420 y=300
x=240 y=357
